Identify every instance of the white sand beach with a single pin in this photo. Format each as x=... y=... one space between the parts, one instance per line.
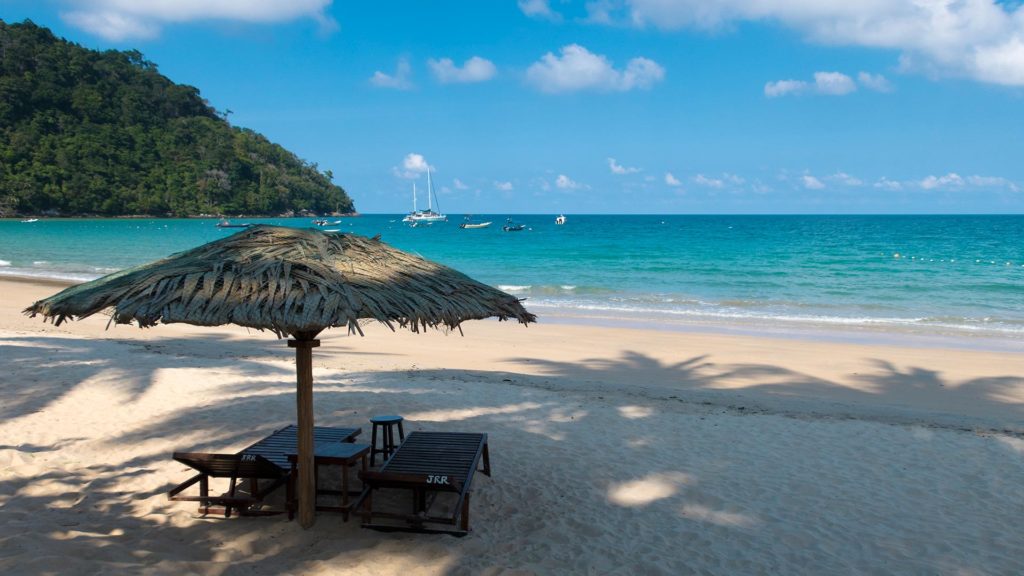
x=614 y=451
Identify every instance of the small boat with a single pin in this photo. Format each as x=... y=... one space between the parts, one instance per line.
x=511 y=226
x=470 y=225
x=227 y=224
x=322 y=222
x=429 y=215
x=560 y=220
x=29 y=220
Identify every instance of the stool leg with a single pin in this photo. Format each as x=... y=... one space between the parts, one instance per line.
x=389 y=441
x=401 y=431
x=373 y=445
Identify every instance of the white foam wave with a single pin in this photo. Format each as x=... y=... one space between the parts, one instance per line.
x=513 y=288
x=631 y=312
x=4 y=263
x=49 y=274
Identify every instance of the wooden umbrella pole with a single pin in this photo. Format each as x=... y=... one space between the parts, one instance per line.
x=306 y=481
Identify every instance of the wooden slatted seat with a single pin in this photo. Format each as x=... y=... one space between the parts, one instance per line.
x=265 y=460
x=427 y=464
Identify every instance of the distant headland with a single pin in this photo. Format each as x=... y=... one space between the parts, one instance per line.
x=89 y=133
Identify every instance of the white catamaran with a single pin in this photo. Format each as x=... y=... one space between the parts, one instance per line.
x=427 y=216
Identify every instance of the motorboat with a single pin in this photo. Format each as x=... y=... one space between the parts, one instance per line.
x=227 y=224
x=560 y=219
x=511 y=226
x=470 y=225
x=323 y=222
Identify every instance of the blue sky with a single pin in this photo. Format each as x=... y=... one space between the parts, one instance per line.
x=608 y=106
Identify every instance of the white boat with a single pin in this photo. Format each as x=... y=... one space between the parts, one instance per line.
x=30 y=220
x=470 y=225
x=425 y=216
x=225 y=223
x=560 y=220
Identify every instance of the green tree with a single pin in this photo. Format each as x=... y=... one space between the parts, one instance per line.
x=88 y=132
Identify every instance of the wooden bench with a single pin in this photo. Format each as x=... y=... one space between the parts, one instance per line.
x=264 y=460
x=427 y=464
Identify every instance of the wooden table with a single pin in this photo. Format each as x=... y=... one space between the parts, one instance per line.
x=342 y=454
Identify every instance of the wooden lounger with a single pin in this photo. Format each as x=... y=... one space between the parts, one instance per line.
x=428 y=463
x=264 y=460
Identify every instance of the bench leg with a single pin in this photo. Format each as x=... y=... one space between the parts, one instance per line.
x=487 y=460
x=368 y=507
x=204 y=493
x=290 y=494
x=464 y=520
x=231 y=494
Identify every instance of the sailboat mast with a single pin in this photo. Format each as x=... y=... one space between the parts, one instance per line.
x=430 y=189
x=414 y=197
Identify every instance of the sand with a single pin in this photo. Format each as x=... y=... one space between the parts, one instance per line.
x=615 y=451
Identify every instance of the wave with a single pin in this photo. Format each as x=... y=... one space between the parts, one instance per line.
x=48 y=274
x=1010 y=327
x=4 y=263
x=553 y=289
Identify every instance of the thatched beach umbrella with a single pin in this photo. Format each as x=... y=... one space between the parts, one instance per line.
x=292 y=282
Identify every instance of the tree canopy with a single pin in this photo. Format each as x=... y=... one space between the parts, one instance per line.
x=104 y=133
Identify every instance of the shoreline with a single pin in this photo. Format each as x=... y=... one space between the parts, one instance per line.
x=879 y=334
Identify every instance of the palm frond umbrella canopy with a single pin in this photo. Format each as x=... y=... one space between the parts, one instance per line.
x=294 y=283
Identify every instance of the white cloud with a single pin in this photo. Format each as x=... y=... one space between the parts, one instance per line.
x=979 y=39
x=579 y=69
x=600 y=12
x=1003 y=63
x=812 y=183
x=566 y=183
x=703 y=180
x=617 y=168
x=951 y=180
x=844 y=178
x=118 y=20
x=825 y=83
x=784 y=87
x=833 y=83
x=992 y=182
x=539 y=9
x=672 y=180
x=413 y=165
x=400 y=80
x=112 y=25
x=503 y=186
x=875 y=82
x=476 y=69
x=726 y=179
x=459 y=184
x=886 y=184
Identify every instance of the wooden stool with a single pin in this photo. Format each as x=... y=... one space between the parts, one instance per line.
x=388 y=445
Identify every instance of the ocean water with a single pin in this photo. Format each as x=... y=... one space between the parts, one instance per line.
x=959 y=276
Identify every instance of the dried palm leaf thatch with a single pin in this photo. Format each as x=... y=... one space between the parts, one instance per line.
x=290 y=281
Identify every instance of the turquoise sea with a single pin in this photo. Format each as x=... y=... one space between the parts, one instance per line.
x=959 y=276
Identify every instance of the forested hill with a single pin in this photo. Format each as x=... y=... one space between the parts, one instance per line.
x=104 y=133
